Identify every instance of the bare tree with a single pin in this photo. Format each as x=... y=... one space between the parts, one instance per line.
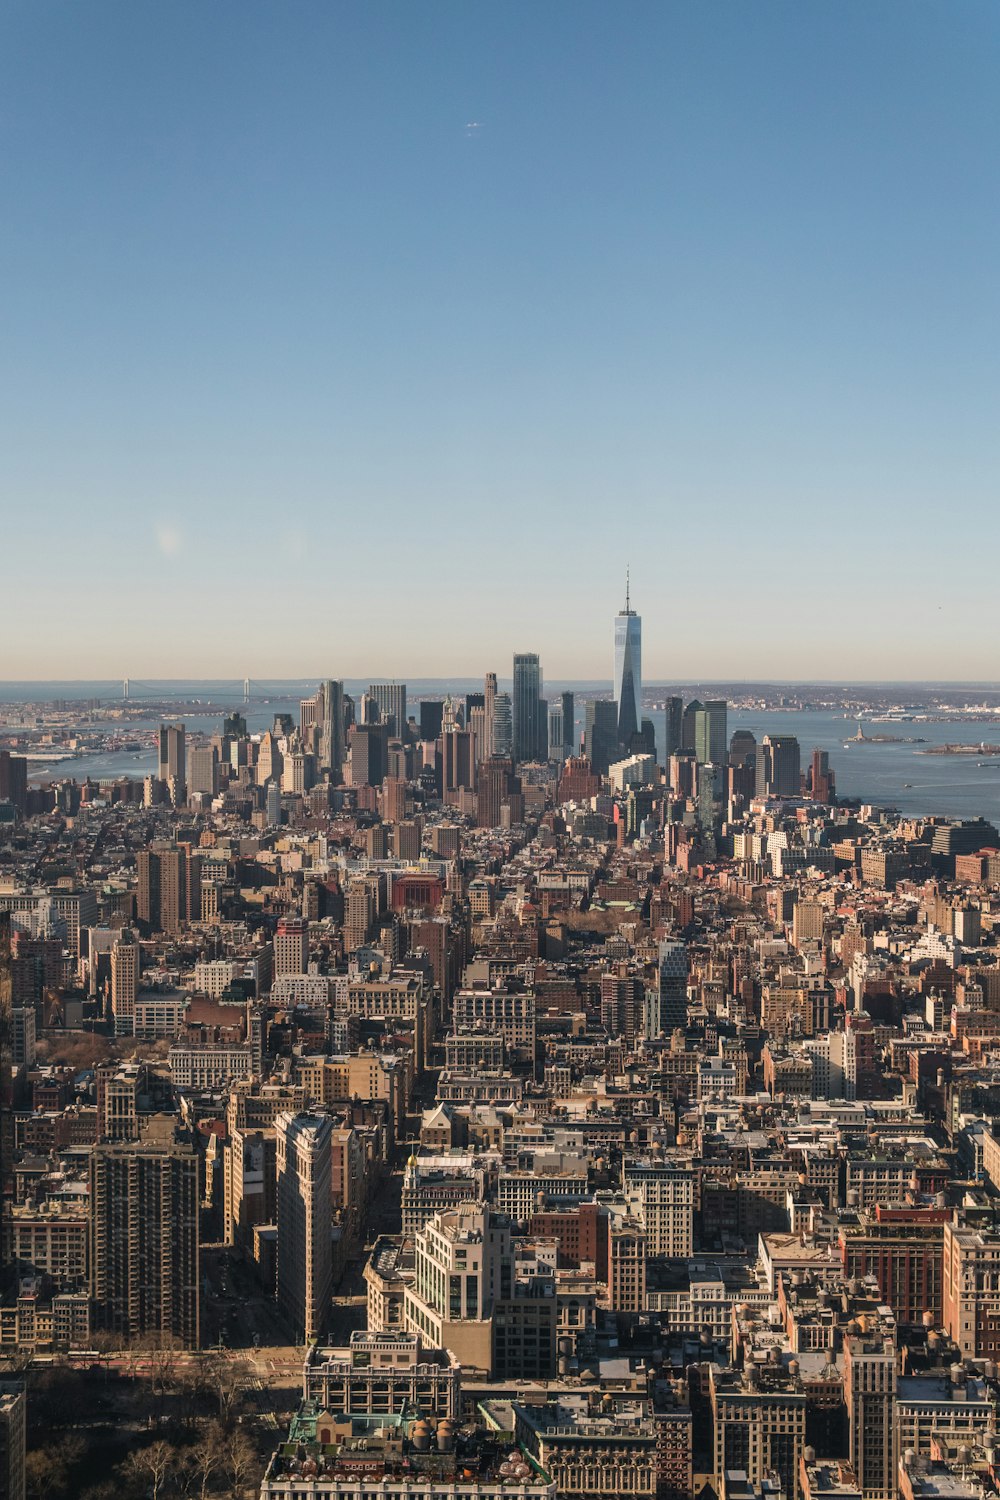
x=225 y=1377
x=104 y=1489
x=47 y=1470
x=151 y=1465
x=163 y=1364
x=43 y=1475
x=242 y=1464
x=207 y=1457
x=190 y=1387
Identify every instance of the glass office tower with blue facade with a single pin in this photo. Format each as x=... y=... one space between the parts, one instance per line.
x=628 y=671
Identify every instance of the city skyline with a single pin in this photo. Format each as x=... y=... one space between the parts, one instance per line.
x=739 y=308
x=549 y=1045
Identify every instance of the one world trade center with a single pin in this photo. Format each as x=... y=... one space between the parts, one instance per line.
x=628 y=671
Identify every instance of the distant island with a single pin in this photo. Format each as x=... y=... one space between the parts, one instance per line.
x=961 y=750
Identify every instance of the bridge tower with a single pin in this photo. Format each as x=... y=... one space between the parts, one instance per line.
x=246 y=690
x=125 y=689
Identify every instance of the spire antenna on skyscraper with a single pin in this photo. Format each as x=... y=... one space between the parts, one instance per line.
x=627 y=588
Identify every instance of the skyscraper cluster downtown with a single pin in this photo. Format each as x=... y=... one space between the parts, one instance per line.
x=534 y=739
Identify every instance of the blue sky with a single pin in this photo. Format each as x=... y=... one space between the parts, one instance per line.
x=302 y=374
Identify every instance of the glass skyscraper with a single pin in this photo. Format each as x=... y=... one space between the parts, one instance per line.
x=628 y=671
x=710 y=732
x=503 y=725
x=531 y=730
x=570 y=745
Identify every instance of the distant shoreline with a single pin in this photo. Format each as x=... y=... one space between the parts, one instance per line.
x=984 y=750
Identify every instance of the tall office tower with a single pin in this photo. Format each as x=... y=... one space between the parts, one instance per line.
x=144 y=1203
x=330 y=719
x=305 y=1221
x=308 y=711
x=709 y=788
x=458 y=762
x=644 y=743
x=570 y=745
x=497 y=784
x=673 y=727
x=402 y=759
x=710 y=733
x=408 y=836
x=391 y=700
x=778 y=767
x=6 y=1079
x=530 y=729
x=473 y=701
x=124 y=982
x=687 y=726
x=503 y=725
x=13 y=1440
x=628 y=671
x=272 y=803
x=489 y=704
x=360 y=911
x=173 y=759
x=394 y=799
x=476 y=723
x=370 y=711
x=431 y=717
x=369 y=746
x=291 y=947
x=180 y=887
x=557 y=750
x=451 y=716
x=203 y=775
x=169 y=893
x=14 y=781
x=671 y=999
x=147 y=900
x=822 y=783
x=299 y=772
x=269 y=760
x=742 y=748
x=869 y=1395
x=601 y=734
x=622 y=999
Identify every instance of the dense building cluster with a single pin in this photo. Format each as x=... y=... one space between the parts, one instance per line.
x=655 y=1092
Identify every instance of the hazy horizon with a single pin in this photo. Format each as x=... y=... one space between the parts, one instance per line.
x=551 y=683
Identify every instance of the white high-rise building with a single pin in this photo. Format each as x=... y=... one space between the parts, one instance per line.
x=628 y=671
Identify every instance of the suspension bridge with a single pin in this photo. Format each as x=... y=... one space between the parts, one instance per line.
x=234 y=690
